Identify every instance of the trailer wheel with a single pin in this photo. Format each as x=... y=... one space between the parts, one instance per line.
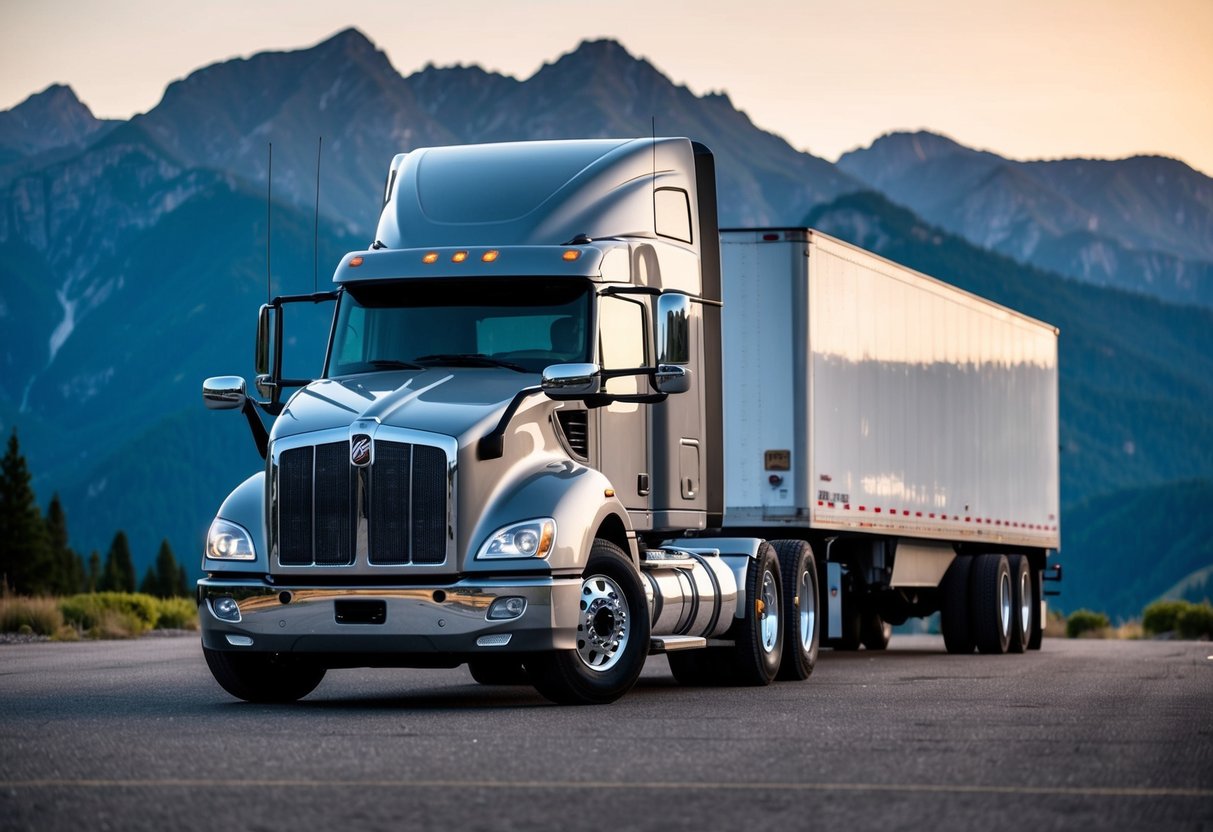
x=1038 y=626
x=954 y=618
x=759 y=636
x=498 y=670
x=798 y=571
x=263 y=677
x=874 y=631
x=612 y=638
x=1022 y=616
x=991 y=603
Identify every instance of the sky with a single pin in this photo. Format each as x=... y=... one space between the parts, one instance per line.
x=1029 y=79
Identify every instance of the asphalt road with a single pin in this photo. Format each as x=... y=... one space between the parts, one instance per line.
x=1093 y=735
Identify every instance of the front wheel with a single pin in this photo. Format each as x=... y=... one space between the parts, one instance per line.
x=612 y=636
x=263 y=677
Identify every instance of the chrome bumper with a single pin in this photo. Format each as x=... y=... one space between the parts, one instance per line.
x=434 y=620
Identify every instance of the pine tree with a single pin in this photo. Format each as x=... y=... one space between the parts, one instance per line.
x=66 y=571
x=183 y=584
x=168 y=581
x=93 y=579
x=23 y=541
x=119 y=573
x=150 y=585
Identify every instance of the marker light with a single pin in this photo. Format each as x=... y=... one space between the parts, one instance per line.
x=459 y=256
x=489 y=256
x=571 y=254
x=430 y=257
x=356 y=261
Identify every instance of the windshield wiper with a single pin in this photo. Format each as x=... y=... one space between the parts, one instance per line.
x=393 y=364
x=469 y=359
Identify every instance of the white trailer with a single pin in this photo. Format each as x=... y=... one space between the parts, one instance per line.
x=893 y=420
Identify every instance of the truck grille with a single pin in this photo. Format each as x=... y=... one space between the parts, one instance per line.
x=323 y=503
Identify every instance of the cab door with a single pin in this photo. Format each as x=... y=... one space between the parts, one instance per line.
x=623 y=431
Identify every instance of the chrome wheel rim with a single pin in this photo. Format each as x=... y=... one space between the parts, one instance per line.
x=769 y=623
x=1004 y=601
x=808 y=610
x=1025 y=603
x=602 y=633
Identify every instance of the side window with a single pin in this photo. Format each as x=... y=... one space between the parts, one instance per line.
x=672 y=213
x=623 y=342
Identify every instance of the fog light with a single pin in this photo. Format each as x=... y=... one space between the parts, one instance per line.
x=504 y=609
x=226 y=608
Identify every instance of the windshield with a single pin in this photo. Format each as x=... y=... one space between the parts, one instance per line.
x=520 y=324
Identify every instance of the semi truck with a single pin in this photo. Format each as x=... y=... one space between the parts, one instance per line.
x=565 y=422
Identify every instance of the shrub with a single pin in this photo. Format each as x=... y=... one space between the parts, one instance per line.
x=118 y=614
x=177 y=614
x=1195 y=622
x=34 y=615
x=1162 y=616
x=1087 y=624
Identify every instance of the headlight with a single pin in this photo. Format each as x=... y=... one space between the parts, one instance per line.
x=227 y=541
x=529 y=539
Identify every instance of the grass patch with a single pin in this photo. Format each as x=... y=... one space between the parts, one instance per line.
x=1088 y=624
x=31 y=616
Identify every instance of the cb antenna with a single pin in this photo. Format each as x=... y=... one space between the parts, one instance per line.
x=269 y=180
x=316 y=226
x=653 y=133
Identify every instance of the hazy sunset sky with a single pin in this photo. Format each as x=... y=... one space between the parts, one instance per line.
x=1027 y=79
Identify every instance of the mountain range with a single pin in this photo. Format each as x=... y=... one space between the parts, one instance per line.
x=133 y=256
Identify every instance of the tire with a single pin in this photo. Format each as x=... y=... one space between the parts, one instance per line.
x=1022 y=615
x=758 y=636
x=612 y=638
x=874 y=631
x=1038 y=627
x=954 y=619
x=498 y=670
x=990 y=603
x=263 y=677
x=802 y=622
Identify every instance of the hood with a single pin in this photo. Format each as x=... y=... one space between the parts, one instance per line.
x=443 y=400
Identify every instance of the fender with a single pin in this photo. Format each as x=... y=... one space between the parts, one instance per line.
x=245 y=506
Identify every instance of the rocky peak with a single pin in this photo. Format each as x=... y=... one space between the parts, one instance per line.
x=52 y=118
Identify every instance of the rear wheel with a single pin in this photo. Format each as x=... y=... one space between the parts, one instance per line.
x=874 y=631
x=991 y=603
x=263 y=677
x=954 y=618
x=798 y=569
x=759 y=635
x=1022 y=614
x=1038 y=626
x=612 y=636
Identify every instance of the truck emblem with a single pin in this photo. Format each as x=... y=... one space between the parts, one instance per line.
x=360 y=450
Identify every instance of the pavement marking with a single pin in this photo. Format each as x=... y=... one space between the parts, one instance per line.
x=921 y=788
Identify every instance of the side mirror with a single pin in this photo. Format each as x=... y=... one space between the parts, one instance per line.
x=670 y=378
x=261 y=351
x=673 y=329
x=571 y=381
x=224 y=393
